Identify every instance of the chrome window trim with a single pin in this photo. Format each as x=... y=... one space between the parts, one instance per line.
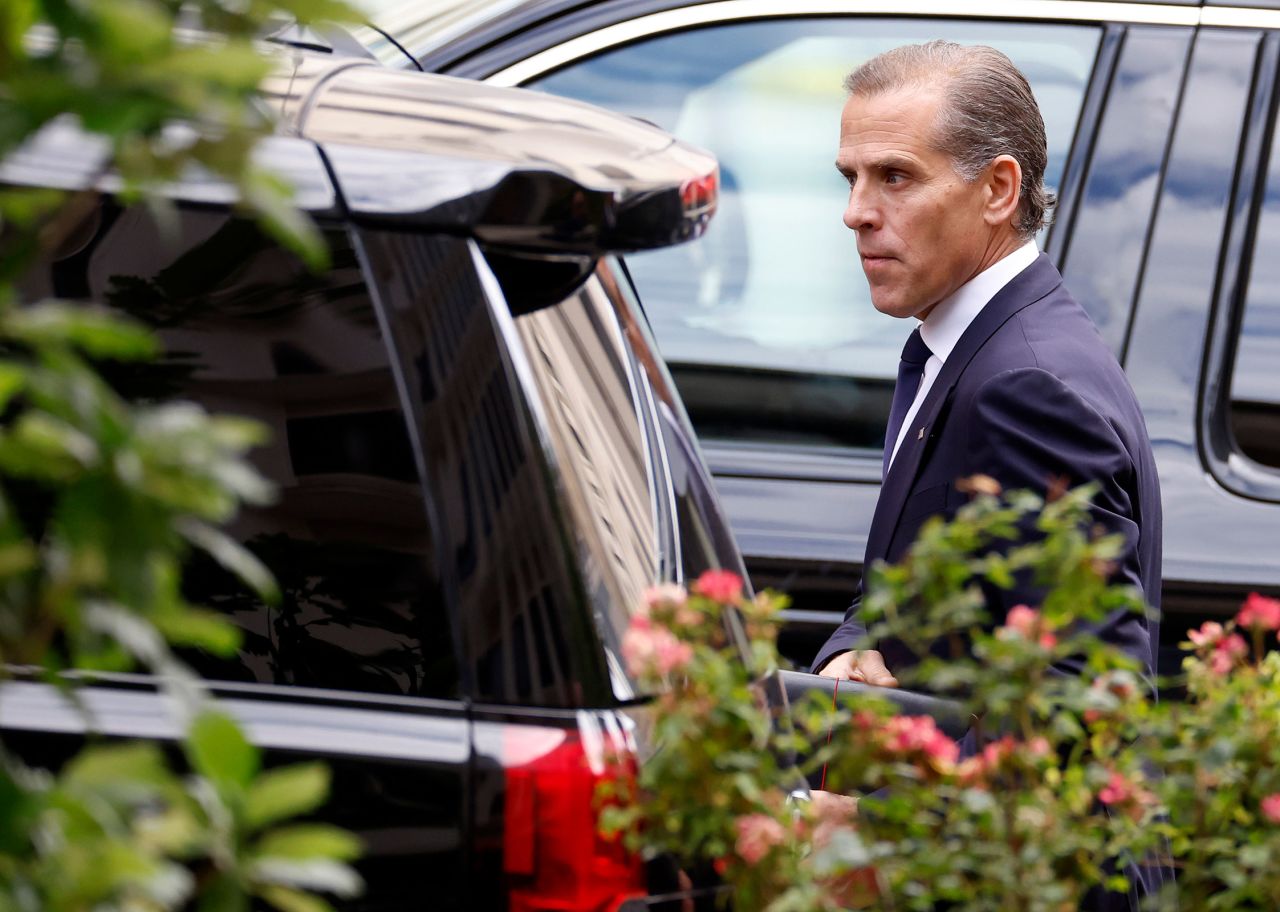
x=1096 y=11
x=362 y=731
x=658 y=486
x=1240 y=17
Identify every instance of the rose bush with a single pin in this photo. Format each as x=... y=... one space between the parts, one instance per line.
x=1073 y=780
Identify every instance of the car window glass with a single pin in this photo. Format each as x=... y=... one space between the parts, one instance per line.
x=249 y=330
x=1255 y=382
x=576 y=351
x=767 y=320
x=503 y=543
x=701 y=534
x=1104 y=260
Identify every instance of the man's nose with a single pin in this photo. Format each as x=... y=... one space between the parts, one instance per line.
x=860 y=212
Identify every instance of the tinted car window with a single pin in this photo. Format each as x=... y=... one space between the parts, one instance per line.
x=1255 y=382
x=248 y=330
x=1109 y=239
x=504 y=549
x=579 y=359
x=767 y=320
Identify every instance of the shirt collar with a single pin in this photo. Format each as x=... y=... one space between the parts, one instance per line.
x=946 y=323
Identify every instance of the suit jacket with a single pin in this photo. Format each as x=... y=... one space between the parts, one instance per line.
x=1030 y=393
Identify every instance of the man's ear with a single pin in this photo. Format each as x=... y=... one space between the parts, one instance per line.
x=1003 y=191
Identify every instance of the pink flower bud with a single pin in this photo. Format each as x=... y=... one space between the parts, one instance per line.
x=1208 y=634
x=1227 y=653
x=664 y=594
x=920 y=735
x=1122 y=793
x=1271 y=807
x=1259 y=613
x=757 y=834
x=720 y=586
x=1028 y=624
x=1023 y=620
x=649 y=648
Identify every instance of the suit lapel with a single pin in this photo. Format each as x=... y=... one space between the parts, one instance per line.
x=1027 y=287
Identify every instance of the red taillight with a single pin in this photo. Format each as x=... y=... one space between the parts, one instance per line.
x=698 y=195
x=553 y=853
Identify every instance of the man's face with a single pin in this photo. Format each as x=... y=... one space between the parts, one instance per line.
x=920 y=227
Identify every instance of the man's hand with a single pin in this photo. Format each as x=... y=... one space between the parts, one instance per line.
x=832 y=805
x=866 y=666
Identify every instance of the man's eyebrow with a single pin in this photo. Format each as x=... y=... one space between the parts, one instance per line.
x=891 y=161
x=888 y=162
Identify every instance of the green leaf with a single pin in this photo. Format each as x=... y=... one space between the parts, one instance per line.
x=16 y=558
x=132 y=27
x=286 y=792
x=99 y=333
x=207 y=630
x=109 y=765
x=309 y=874
x=223 y=894
x=12 y=379
x=16 y=19
x=220 y=752
x=307 y=841
x=47 y=448
x=234 y=556
x=18 y=812
x=287 y=899
x=271 y=201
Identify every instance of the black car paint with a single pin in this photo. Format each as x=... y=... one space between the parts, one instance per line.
x=405 y=659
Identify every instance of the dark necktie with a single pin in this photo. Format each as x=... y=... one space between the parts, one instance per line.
x=910 y=369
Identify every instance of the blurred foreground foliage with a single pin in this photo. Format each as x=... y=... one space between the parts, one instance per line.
x=1073 y=781
x=102 y=500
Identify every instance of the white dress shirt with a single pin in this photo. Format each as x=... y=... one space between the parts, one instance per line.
x=946 y=323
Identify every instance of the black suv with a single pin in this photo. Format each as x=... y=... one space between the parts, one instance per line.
x=481 y=461
x=1162 y=127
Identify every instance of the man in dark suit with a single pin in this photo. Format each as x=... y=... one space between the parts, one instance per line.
x=944 y=150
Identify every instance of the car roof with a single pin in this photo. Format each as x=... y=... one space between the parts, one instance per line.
x=439 y=35
x=434 y=151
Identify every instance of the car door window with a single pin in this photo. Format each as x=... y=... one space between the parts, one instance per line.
x=1255 y=383
x=249 y=330
x=767 y=320
x=578 y=359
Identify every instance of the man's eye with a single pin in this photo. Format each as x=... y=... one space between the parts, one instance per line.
x=893 y=178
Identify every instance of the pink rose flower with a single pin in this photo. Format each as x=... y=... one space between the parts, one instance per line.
x=1126 y=796
x=720 y=586
x=1271 y=807
x=1029 y=625
x=1259 y=613
x=996 y=752
x=1227 y=652
x=1118 y=790
x=757 y=834
x=664 y=594
x=974 y=771
x=648 y=647
x=1023 y=620
x=920 y=734
x=1208 y=634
